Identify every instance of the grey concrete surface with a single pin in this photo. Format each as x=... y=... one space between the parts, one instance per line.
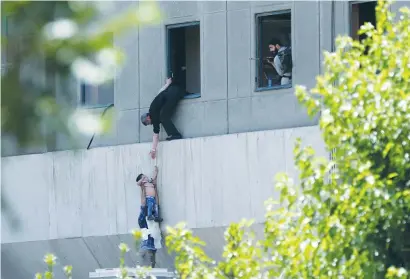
x=85 y=254
x=228 y=41
x=205 y=181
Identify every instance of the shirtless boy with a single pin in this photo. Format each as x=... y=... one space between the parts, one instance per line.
x=149 y=190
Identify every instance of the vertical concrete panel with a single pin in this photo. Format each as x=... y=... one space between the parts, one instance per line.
x=306 y=45
x=193 y=178
x=263 y=168
x=174 y=9
x=65 y=194
x=278 y=111
x=98 y=246
x=26 y=181
x=310 y=136
x=341 y=20
x=215 y=116
x=238 y=5
x=127 y=82
x=128 y=126
x=173 y=190
x=326 y=26
x=214 y=57
x=209 y=190
x=236 y=190
x=201 y=119
x=97 y=217
x=239 y=52
x=73 y=252
x=123 y=185
x=151 y=63
x=213 y=6
x=240 y=112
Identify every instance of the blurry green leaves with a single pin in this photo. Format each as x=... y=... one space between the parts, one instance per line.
x=72 y=42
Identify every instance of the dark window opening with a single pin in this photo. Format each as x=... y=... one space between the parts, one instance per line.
x=360 y=14
x=184 y=59
x=273 y=66
x=97 y=96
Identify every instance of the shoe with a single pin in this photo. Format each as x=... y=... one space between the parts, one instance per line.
x=150 y=218
x=158 y=219
x=174 y=137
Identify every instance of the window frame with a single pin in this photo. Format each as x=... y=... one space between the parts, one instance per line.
x=350 y=8
x=259 y=48
x=81 y=86
x=81 y=96
x=169 y=27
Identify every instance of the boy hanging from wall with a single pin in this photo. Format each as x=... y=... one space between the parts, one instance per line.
x=149 y=191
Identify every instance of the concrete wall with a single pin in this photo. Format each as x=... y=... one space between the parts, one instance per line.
x=229 y=103
x=208 y=182
x=81 y=205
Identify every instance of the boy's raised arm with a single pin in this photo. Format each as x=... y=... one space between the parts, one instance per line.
x=155 y=176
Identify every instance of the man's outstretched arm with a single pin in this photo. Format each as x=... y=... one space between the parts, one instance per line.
x=155 y=140
x=155 y=137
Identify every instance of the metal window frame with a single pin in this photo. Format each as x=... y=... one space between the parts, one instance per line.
x=259 y=49
x=81 y=89
x=351 y=3
x=169 y=27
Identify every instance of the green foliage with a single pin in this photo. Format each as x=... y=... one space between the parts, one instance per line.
x=50 y=45
x=348 y=218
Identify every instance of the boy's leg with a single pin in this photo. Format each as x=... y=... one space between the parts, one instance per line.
x=157 y=218
x=150 y=204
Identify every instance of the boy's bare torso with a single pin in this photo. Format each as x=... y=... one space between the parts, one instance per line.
x=149 y=189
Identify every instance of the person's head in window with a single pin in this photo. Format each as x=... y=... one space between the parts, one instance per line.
x=274 y=45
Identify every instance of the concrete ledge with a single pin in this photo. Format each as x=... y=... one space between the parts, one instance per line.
x=23 y=260
x=207 y=182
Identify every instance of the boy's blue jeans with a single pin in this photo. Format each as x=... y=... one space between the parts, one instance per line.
x=152 y=207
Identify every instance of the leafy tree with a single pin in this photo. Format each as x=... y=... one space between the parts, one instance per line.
x=47 y=44
x=349 y=217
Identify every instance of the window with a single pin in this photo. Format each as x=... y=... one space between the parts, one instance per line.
x=184 y=59
x=273 y=51
x=361 y=13
x=97 y=96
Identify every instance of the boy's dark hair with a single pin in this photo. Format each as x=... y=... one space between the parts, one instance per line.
x=139 y=177
x=275 y=41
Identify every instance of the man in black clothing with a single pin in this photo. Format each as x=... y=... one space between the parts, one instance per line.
x=161 y=110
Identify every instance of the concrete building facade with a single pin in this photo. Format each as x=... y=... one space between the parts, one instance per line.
x=239 y=134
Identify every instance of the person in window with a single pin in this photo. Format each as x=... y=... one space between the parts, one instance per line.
x=282 y=61
x=161 y=111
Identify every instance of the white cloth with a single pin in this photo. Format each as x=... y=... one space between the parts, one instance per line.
x=154 y=231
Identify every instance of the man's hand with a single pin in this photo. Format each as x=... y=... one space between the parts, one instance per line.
x=153 y=153
x=169 y=81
